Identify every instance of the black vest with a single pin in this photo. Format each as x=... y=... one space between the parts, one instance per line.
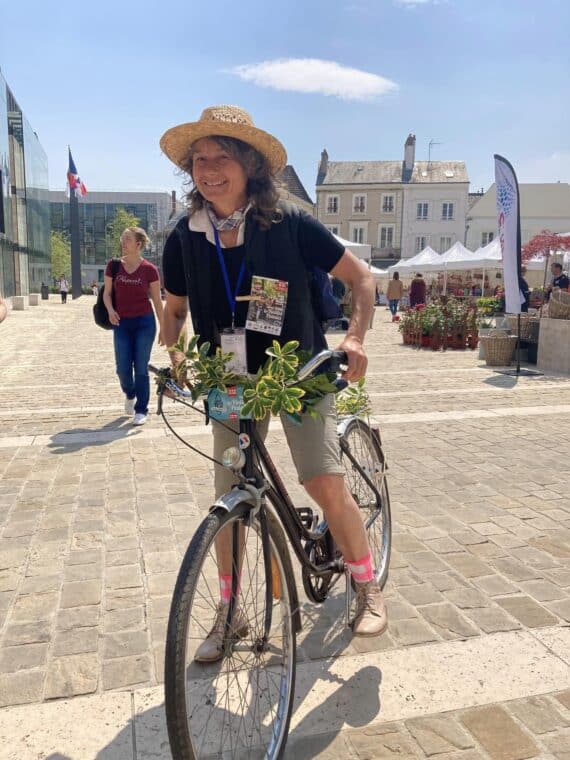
x=271 y=253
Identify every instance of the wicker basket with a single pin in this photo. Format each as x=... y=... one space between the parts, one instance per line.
x=559 y=305
x=563 y=295
x=526 y=321
x=499 y=348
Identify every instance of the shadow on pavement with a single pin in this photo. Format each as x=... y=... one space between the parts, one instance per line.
x=75 y=439
x=348 y=706
x=502 y=381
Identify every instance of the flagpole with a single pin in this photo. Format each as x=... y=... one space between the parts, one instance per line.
x=75 y=248
x=74 y=233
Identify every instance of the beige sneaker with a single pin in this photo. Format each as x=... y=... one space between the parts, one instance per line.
x=212 y=648
x=371 y=618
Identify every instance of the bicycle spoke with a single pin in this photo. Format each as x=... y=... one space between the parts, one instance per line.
x=374 y=508
x=234 y=706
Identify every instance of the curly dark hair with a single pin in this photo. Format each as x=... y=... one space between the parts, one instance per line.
x=262 y=187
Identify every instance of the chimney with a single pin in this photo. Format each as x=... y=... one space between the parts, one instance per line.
x=323 y=167
x=410 y=152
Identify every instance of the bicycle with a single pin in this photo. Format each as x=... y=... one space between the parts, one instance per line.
x=241 y=705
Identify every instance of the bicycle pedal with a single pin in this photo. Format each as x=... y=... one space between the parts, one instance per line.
x=307 y=517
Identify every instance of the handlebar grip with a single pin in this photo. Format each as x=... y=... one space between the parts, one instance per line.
x=153 y=369
x=338 y=360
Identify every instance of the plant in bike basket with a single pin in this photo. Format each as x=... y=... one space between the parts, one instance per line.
x=274 y=389
x=354 y=401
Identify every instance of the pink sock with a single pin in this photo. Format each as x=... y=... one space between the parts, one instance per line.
x=362 y=570
x=226 y=588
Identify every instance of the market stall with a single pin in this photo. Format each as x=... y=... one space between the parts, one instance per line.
x=360 y=250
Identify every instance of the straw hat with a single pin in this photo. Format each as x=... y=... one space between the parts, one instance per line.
x=223 y=121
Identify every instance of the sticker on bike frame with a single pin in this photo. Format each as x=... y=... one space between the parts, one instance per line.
x=226 y=407
x=244 y=441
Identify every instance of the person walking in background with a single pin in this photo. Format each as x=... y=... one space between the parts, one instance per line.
x=417 y=291
x=134 y=326
x=524 y=290
x=394 y=294
x=63 y=288
x=95 y=288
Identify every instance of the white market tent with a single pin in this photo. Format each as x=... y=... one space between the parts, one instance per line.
x=456 y=257
x=379 y=274
x=420 y=261
x=360 y=250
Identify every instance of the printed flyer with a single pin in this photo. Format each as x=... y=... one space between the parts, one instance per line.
x=267 y=305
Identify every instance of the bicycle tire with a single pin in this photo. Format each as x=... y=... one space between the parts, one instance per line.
x=187 y=703
x=366 y=449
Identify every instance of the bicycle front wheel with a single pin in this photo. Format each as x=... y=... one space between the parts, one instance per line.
x=240 y=705
x=363 y=458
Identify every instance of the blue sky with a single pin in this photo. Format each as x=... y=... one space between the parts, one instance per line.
x=477 y=76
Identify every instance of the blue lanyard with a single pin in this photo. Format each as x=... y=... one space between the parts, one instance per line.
x=231 y=299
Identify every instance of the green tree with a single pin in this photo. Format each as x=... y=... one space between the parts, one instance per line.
x=116 y=228
x=60 y=254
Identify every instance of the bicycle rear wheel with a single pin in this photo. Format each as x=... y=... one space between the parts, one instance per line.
x=359 y=442
x=241 y=705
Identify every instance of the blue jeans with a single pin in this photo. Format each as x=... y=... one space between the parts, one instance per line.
x=394 y=305
x=133 y=338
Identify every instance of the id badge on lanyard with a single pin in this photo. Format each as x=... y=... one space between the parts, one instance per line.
x=232 y=339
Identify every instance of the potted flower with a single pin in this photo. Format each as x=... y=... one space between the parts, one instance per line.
x=473 y=334
x=406 y=327
x=485 y=326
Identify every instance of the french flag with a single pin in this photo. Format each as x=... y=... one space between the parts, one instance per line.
x=73 y=180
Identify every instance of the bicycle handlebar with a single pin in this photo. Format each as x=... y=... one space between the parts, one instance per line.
x=168 y=382
x=335 y=361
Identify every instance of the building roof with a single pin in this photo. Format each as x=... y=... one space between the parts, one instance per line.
x=385 y=172
x=113 y=196
x=290 y=179
x=545 y=200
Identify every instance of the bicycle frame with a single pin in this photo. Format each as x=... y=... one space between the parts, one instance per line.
x=272 y=485
x=268 y=482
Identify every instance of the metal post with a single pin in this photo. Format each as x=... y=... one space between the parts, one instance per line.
x=75 y=247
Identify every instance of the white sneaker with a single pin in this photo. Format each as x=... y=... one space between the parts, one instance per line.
x=129 y=406
x=139 y=419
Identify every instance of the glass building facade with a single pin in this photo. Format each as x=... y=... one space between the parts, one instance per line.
x=25 y=248
x=97 y=212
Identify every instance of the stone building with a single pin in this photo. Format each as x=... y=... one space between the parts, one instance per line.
x=398 y=207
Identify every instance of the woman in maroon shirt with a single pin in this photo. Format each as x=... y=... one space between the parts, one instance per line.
x=134 y=326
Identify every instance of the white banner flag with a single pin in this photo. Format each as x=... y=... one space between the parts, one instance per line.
x=508 y=218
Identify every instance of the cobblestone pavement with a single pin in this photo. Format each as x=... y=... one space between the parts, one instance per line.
x=94 y=516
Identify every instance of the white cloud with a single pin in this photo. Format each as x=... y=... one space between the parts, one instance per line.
x=312 y=75
x=412 y=3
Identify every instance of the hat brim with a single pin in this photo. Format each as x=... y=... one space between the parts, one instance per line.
x=176 y=141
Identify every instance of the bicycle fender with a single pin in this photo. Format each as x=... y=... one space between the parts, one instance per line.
x=234 y=498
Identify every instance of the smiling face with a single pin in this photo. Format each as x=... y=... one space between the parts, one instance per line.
x=219 y=178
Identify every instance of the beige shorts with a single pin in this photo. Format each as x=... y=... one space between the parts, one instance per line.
x=313 y=444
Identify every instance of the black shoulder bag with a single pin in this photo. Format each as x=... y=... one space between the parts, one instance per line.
x=100 y=313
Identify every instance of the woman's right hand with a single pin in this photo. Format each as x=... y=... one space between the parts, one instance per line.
x=114 y=318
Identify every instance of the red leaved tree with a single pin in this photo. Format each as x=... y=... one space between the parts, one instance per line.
x=544 y=244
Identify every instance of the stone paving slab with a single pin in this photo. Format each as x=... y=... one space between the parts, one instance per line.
x=491 y=706
x=94 y=518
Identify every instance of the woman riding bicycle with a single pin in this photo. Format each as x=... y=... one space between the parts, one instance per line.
x=240 y=240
